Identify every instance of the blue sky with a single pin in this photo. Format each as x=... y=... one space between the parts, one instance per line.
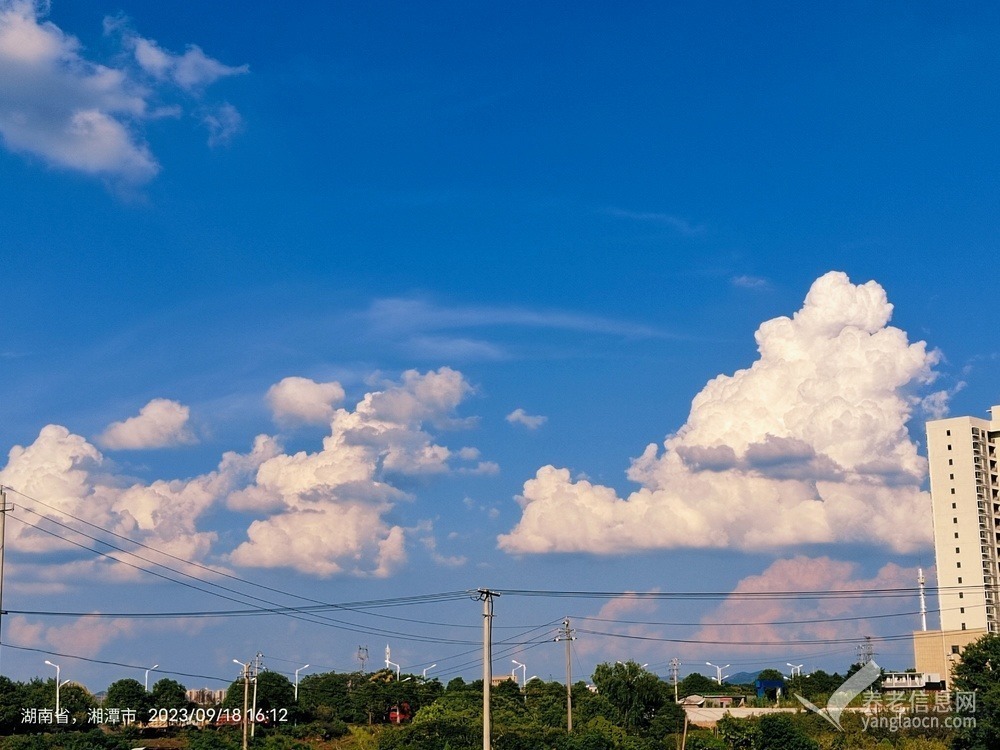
x=472 y=247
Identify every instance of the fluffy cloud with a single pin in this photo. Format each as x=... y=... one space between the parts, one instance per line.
x=301 y=399
x=68 y=474
x=322 y=513
x=159 y=424
x=78 y=114
x=325 y=511
x=794 y=622
x=807 y=445
x=521 y=417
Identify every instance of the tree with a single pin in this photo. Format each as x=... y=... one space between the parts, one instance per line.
x=12 y=700
x=696 y=684
x=169 y=694
x=130 y=695
x=634 y=694
x=275 y=694
x=770 y=675
x=979 y=673
x=778 y=732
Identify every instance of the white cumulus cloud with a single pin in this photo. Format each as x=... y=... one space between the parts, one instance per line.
x=296 y=399
x=521 y=417
x=322 y=513
x=69 y=475
x=159 y=424
x=325 y=512
x=807 y=445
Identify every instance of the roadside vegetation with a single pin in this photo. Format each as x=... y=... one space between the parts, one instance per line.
x=625 y=708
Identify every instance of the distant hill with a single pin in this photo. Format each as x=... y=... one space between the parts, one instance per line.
x=743 y=678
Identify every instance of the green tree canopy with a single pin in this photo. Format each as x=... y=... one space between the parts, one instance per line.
x=979 y=673
x=168 y=694
x=129 y=695
x=696 y=684
x=634 y=694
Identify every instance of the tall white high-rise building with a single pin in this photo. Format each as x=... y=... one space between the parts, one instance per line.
x=965 y=495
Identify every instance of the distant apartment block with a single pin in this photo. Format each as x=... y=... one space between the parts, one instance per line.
x=965 y=496
x=206 y=696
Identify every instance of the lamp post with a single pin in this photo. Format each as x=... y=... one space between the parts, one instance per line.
x=388 y=663
x=57 y=683
x=246 y=696
x=423 y=675
x=394 y=664
x=524 y=672
x=718 y=671
x=796 y=669
x=304 y=666
x=147 y=675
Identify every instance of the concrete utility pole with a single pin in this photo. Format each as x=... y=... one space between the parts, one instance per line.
x=675 y=666
x=566 y=634
x=257 y=664
x=3 y=525
x=486 y=597
x=362 y=657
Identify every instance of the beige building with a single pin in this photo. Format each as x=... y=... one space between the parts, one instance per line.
x=965 y=496
x=935 y=652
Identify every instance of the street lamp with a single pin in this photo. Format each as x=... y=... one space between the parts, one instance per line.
x=524 y=672
x=304 y=666
x=57 y=683
x=796 y=669
x=246 y=697
x=394 y=664
x=147 y=675
x=423 y=675
x=718 y=671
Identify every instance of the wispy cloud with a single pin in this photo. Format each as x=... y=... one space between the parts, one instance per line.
x=682 y=225
x=397 y=314
x=83 y=115
x=468 y=333
x=745 y=281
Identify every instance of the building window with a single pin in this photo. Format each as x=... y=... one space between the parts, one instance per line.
x=951 y=462
x=952 y=490
x=954 y=507
x=960 y=594
x=960 y=580
x=955 y=650
x=949 y=446
x=961 y=610
x=954 y=520
x=957 y=551
x=958 y=565
x=963 y=626
x=951 y=476
x=956 y=535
